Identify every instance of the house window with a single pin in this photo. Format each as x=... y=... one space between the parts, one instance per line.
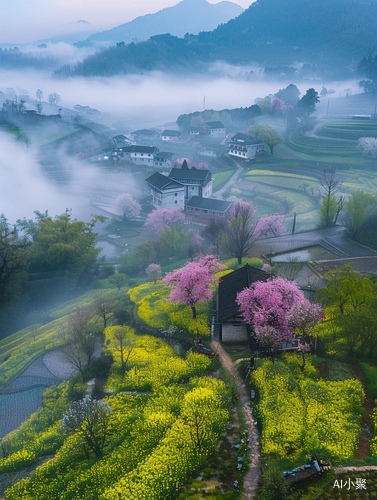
x=142 y=154
x=192 y=189
x=175 y=194
x=175 y=202
x=204 y=218
x=197 y=216
x=206 y=211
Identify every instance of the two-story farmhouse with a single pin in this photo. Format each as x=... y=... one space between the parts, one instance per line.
x=166 y=192
x=141 y=155
x=230 y=326
x=215 y=129
x=168 y=135
x=196 y=182
x=243 y=146
x=202 y=210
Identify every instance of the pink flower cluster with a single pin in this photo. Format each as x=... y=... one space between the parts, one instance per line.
x=195 y=281
x=163 y=218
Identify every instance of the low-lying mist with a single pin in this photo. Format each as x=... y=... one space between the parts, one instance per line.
x=152 y=99
x=25 y=187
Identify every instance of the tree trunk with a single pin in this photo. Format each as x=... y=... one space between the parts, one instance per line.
x=302 y=367
x=239 y=258
x=193 y=312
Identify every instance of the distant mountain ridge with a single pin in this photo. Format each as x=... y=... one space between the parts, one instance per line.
x=330 y=35
x=188 y=16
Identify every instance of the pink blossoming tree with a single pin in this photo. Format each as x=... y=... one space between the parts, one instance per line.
x=163 y=218
x=267 y=227
x=126 y=206
x=305 y=315
x=194 y=282
x=266 y=305
x=154 y=272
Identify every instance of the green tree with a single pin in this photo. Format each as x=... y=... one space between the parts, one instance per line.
x=266 y=134
x=307 y=104
x=368 y=68
x=14 y=261
x=63 y=245
x=118 y=280
x=331 y=204
x=346 y=290
x=357 y=206
x=290 y=95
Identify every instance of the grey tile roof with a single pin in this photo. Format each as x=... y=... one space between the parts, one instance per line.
x=190 y=174
x=209 y=204
x=233 y=283
x=161 y=182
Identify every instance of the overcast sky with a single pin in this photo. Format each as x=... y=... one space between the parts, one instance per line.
x=23 y=21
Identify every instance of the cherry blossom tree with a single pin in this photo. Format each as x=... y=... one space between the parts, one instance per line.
x=240 y=229
x=197 y=145
x=154 y=272
x=194 y=282
x=266 y=306
x=267 y=227
x=163 y=218
x=126 y=206
x=174 y=139
x=304 y=315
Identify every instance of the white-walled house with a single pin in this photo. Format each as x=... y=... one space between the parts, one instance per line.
x=243 y=146
x=167 y=135
x=196 y=182
x=141 y=155
x=215 y=129
x=166 y=192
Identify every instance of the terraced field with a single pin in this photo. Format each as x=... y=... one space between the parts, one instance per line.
x=348 y=129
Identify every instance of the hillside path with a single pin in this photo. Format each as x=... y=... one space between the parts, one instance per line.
x=218 y=194
x=251 y=478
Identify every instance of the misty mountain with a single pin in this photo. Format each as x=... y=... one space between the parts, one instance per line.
x=298 y=29
x=71 y=32
x=334 y=34
x=189 y=16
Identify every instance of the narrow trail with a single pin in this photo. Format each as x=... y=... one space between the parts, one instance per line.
x=251 y=478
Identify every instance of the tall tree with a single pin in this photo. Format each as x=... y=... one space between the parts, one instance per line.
x=120 y=340
x=368 y=68
x=215 y=233
x=194 y=282
x=14 y=261
x=357 y=206
x=240 y=229
x=305 y=315
x=307 y=104
x=80 y=340
x=332 y=205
